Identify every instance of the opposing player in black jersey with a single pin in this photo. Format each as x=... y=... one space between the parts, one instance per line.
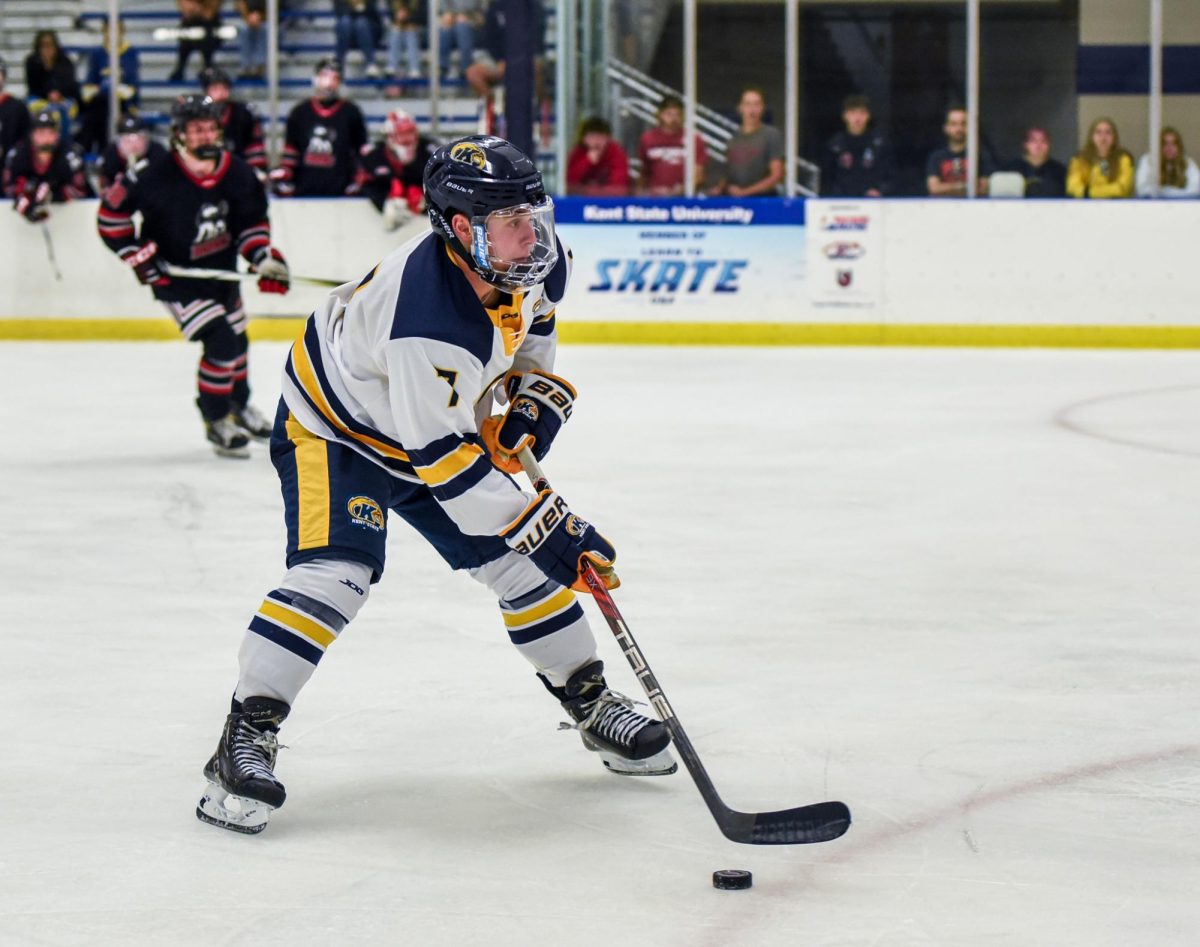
x=241 y=129
x=133 y=146
x=14 y=116
x=43 y=169
x=387 y=405
x=393 y=169
x=325 y=135
x=200 y=208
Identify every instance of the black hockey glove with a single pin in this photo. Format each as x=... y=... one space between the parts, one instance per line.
x=147 y=267
x=540 y=404
x=560 y=543
x=272 y=270
x=31 y=203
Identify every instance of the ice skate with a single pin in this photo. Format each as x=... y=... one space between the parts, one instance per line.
x=252 y=421
x=627 y=742
x=227 y=437
x=242 y=788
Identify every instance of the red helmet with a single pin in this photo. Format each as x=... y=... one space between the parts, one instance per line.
x=402 y=135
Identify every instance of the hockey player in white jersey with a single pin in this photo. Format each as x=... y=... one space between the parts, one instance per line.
x=387 y=405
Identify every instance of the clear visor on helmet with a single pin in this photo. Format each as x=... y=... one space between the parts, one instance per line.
x=516 y=244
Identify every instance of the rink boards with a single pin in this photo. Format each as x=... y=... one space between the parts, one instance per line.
x=716 y=271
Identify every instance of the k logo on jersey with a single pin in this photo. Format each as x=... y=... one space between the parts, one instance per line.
x=365 y=512
x=212 y=230
x=320 y=150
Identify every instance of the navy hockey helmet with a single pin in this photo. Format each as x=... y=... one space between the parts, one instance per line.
x=499 y=190
x=214 y=75
x=46 y=118
x=191 y=108
x=130 y=125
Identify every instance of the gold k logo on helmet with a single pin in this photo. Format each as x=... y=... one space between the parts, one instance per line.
x=469 y=153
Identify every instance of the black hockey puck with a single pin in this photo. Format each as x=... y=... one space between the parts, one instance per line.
x=732 y=879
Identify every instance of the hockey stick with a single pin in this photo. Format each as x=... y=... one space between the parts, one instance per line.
x=232 y=276
x=819 y=822
x=50 y=251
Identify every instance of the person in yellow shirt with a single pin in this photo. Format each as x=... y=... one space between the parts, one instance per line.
x=1102 y=168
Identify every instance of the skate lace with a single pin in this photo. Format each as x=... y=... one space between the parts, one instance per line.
x=611 y=716
x=254 y=751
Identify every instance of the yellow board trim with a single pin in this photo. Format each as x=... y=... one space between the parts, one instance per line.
x=451 y=465
x=297 y=623
x=555 y=603
x=685 y=333
x=312 y=485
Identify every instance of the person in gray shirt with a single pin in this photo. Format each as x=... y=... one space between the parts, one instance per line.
x=754 y=156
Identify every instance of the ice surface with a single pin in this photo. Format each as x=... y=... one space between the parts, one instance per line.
x=957 y=589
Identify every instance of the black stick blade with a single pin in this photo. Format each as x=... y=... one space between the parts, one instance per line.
x=820 y=822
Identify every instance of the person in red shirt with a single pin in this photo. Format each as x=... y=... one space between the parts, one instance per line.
x=597 y=165
x=662 y=153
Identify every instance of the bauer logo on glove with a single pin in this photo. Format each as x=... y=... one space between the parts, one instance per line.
x=540 y=404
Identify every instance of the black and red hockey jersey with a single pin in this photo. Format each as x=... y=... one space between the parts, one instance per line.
x=201 y=222
x=383 y=175
x=321 y=148
x=113 y=163
x=62 y=171
x=243 y=133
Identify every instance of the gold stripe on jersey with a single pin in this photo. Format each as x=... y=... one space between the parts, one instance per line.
x=450 y=465
x=563 y=598
x=293 y=621
x=312 y=387
x=312 y=485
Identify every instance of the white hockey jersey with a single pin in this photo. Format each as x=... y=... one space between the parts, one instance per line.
x=403 y=369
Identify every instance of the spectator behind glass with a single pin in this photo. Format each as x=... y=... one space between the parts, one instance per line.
x=1044 y=177
x=661 y=151
x=50 y=81
x=1102 y=168
x=1178 y=175
x=597 y=165
x=354 y=24
x=404 y=37
x=857 y=162
x=459 y=21
x=93 y=132
x=253 y=38
x=201 y=17
x=754 y=155
x=14 y=117
x=487 y=71
x=946 y=168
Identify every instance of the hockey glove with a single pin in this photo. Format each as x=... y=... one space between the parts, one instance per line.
x=272 y=270
x=395 y=212
x=540 y=404
x=560 y=543
x=146 y=266
x=31 y=204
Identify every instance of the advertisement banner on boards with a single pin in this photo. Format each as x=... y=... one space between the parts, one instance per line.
x=701 y=260
x=845 y=250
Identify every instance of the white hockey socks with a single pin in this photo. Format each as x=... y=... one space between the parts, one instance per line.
x=543 y=619
x=295 y=625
